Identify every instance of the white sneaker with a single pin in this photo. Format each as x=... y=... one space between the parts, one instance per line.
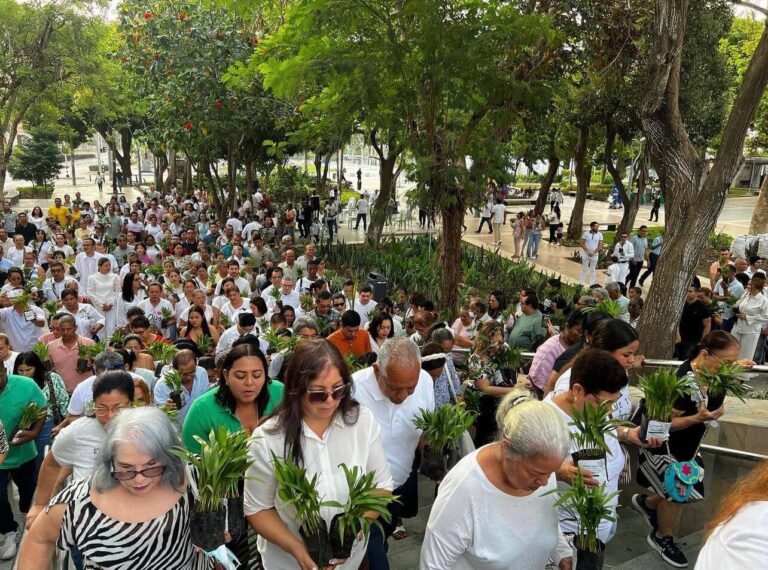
x=8 y=550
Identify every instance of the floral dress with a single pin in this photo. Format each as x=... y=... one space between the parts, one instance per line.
x=496 y=370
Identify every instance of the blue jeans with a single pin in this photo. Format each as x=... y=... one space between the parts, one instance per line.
x=532 y=250
x=332 y=227
x=43 y=439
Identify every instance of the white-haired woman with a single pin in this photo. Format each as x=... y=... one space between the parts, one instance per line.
x=133 y=512
x=494 y=508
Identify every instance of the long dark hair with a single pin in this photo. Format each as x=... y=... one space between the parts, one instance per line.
x=127 y=291
x=309 y=360
x=204 y=326
x=613 y=334
x=377 y=321
x=501 y=298
x=32 y=359
x=224 y=396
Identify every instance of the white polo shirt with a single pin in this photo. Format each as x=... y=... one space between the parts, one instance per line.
x=592 y=240
x=398 y=434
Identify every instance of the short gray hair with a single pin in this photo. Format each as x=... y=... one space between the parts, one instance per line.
x=304 y=323
x=441 y=335
x=531 y=428
x=106 y=361
x=612 y=286
x=151 y=431
x=404 y=351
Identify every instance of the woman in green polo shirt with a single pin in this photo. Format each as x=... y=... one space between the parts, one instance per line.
x=243 y=398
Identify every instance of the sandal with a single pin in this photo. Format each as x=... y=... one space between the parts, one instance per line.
x=400 y=533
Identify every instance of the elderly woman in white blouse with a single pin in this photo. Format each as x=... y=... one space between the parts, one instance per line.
x=751 y=317
x=319 y=426
x=494 y=509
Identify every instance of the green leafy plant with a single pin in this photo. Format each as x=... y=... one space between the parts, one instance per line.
x=661 y=389
x=472 y=400
x=588 y=506
x=725 y=381
x=83 y=351
x=276 y=294
x=221 y=464
x=306 y=302
x=443 y=426
x=117 y=339
x=607 y=306
x=97 y=348
x=51 y=307
x=155 y=270
x=165 y=314
x=354 y=363
x=205 y=344
x=42 y=351
x=295 y=490
x=593 y=423
x=225 y=321
x=30 y=415
x=22 y=301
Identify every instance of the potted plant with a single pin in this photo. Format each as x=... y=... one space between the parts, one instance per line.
x=167 y=352
x=723 y=382
x=306 y=302
x=51 y=307
x=661 y=389
x=225 y=321
x=277 y=295
x=607 y=306
x=43 y=353
x=165 y=315
x=30 y=415
x=354 y=363
x=205 y=344
x=155 y=270
x=593 y=423
x=174 y=382
x=364 y=498
x=588 y=506
x=117 y=339
x=220 y=465
x=295 y=490
x=83 y=353
x=441 y=430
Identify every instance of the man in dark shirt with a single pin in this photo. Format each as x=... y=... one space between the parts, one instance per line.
x=25 y=228
x=695 y=323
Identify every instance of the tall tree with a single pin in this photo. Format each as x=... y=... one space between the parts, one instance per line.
x=37 y=158
x=694 y=194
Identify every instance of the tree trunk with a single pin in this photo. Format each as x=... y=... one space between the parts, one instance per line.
x=124 y=158
x=693 y=196
x=74 y=174
x=250 y=166
x=549 y=178
x=575 y=226
x=381 y=207
x=319 y=172
x=631 y=203
x=187 y=188
x=3 y=173
x=171 y=179
x=450 y=249
x=326 y=165
x=759 y=223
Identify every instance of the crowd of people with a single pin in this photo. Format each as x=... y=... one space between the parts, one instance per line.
x=103 y=305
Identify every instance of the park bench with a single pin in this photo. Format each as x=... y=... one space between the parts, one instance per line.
x=603 y=226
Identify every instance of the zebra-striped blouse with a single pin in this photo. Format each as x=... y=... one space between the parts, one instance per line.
x=162 y=543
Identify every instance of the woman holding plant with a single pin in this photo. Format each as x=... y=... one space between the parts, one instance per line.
x=318 y=427
x=197 y=330
x=134 y=511
x=103 y=288
x=693 y=403
x=495 y=508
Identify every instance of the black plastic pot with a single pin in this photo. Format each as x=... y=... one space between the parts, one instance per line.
x=207 y=529
x=163 y=323
x=47 y=365
x=433 y=464
x=318 y=545
x=235 y=518
x=714 y=402
x=81 y=365
x=176 y=399
x=341 y=549
x=590 y=560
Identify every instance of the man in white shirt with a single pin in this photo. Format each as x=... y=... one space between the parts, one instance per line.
x=591 y=244
x=289 y=267
x=364 y=305
x=86 y=263
x=624 y=251
x=233 y=271
x=395 y=389
x=304 y=283
x=498 y=219
x=54 y=286
x=15 y=254
x=249 y=228
x=362 y=213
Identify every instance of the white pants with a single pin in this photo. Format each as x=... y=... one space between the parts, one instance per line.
x=623 y=272
x=747 y=344
x=588 y=266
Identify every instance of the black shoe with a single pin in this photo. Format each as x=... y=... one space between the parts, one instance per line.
x=477 y=231
x=668 y=549
x=649 y=515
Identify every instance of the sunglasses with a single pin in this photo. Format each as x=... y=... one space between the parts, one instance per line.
x=339 y=304
x=321 y=396
x=148 y=472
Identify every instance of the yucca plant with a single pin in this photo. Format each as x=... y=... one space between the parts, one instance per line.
x=471 y=398
x=607 y=306
x=42 y=351
x=97 y=348
x=295 y=490
x=174 y=382
x=205 y=344
x=306 y=302
x=51 y=307
x=30 y=415
x=588 y=506
x=441 y=430
x=593 y=424
x=155 y=270
x=221 y=465
x=276 y=294
x=22 y=301
x=83 y=352
x=661 y=389
x=155 y=350
x=167 y=352
x=165 y=314
x=117 y=339
x=723 y=382
x=225 y=321
x=364 y=498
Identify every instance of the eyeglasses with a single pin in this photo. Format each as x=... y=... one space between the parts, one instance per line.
x=148 y=472
x=339 y=304
x=320 y=396
x=104 y=410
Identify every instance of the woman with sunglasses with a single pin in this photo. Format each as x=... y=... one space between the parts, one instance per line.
x=690 y=421
x=318 y=426
x=132 y=512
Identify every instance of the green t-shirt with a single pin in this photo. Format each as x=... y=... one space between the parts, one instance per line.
x=19 y=392
x=526 y=330
x=206 y=414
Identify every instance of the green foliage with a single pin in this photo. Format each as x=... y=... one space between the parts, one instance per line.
x=288 y=185
x=354 y=363
x=725 y=381
x=173 y=380
x=36 y=158
x=593 y=423
x=161 y=351
x=661 y=390
x=221 y=465
x=117 y=339
x=442 y=427
x=42 y=351
x=27 y=192
x=588 y=506
x=607 y=306
x=30 y=415
x=296 y=491
x=719 y=240
x=205 y=344
x=471 y=399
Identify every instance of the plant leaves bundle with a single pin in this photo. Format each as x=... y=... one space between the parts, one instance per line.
x=226 y=322
x=725 y=381
x=221 y=465
x=607 y=306
x=593 y=424
x=472 y=400
x=97 y=348
x=205 y=344
x=83 y=351
x=117 y=339
x=155 y=270
x=51 y=306
x=442 y=427
x=166 y=313
x=173 y=380
x=354 y=363
x=295 y=490
x=306 y=302
x=661 y=390
x=42 y=351
x=588 y=506
x=30 y=415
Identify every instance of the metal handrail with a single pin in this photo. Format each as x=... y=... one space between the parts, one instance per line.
x=737 y=453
